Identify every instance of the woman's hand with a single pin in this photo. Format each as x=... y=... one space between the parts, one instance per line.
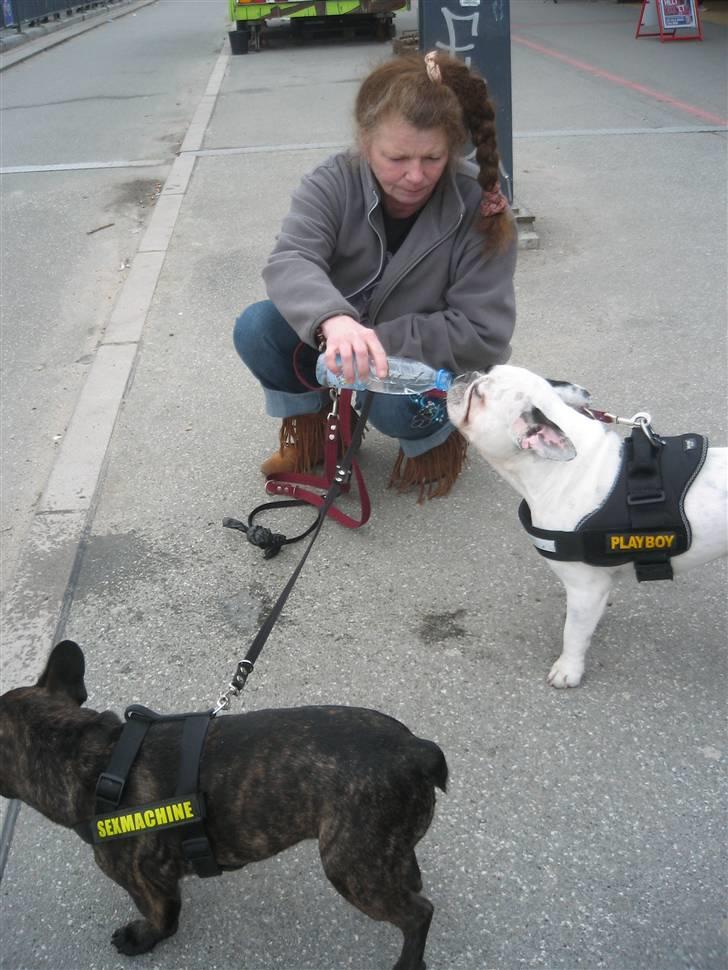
x=354 y=344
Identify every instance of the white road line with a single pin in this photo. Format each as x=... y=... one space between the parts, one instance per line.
x=196 y=132
x=540 y=133
x=601 y=132
x=261 y=149
x=81 y=166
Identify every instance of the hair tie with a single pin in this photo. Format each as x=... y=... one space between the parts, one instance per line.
x=433 y=68
x=493 y=202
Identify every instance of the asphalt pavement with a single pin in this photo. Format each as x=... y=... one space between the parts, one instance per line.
x=582 y=829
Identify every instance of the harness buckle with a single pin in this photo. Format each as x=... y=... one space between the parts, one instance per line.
x=110 y=788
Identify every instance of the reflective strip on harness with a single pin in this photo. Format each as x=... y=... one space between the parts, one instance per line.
x=147 y=818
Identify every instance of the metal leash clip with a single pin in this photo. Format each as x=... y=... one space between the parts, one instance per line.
x=334 y=395
x=643 y=421
x=235 y=687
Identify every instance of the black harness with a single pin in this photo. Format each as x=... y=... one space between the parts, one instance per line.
x=185 y=808
x=642 y=520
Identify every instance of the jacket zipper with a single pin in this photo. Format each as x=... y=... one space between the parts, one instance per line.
x=373 y=312
x=381 y=251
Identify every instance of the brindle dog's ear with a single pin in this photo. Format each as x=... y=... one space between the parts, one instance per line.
x=64 y=671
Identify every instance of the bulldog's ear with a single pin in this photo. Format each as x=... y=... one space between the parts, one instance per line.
x=574 y=395
x=533 y=431
x=64 y=671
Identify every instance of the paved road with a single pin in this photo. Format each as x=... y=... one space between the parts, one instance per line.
x=582 y=829
x=74 y=210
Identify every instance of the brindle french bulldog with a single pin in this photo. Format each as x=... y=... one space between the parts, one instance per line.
x=356 y=780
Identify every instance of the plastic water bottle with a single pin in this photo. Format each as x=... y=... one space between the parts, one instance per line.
x=404 y=377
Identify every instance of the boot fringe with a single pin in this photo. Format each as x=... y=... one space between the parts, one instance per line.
x=302 y=439
x=434 y=473
x=302 y=436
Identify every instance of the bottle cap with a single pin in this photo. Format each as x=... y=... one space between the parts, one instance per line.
x=443 y=380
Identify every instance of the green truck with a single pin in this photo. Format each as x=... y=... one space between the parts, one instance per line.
x=311 y=18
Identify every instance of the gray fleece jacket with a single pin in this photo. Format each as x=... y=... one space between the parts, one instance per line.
x=439 y=299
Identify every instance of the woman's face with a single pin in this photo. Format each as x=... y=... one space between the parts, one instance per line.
x=407 y=163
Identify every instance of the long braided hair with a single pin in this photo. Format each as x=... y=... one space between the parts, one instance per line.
x=440 y=91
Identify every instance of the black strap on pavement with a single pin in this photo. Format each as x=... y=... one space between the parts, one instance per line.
x=258 y=535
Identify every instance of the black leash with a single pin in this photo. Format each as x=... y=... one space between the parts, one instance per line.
x=341 y=477
x=270 y=542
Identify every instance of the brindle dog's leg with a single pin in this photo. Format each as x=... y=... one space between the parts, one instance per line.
x=153 y=884
x=414 y=878
x=384 y=890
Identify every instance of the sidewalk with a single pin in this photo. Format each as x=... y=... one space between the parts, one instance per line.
x=582 y=829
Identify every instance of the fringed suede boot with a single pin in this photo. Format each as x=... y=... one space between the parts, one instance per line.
x=434 y=473
x=301 y=444
x=302 y=440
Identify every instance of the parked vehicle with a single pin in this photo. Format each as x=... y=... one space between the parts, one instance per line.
x=311 y=19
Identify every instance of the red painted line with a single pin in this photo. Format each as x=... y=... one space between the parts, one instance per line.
x=623 y=82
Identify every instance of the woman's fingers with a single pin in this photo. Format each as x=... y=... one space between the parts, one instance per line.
x=378 y=355
x=349 y=347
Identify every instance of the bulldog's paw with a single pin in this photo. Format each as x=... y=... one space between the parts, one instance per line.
x=565 y=673
x=136 y=937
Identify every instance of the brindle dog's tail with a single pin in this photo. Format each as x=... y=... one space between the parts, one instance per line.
x=432 y=764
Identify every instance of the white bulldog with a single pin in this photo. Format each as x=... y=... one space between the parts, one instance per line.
x=564 y=464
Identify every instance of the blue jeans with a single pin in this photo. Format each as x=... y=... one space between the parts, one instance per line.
x=266 y=345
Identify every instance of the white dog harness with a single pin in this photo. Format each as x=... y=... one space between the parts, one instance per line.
x=642 y=519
